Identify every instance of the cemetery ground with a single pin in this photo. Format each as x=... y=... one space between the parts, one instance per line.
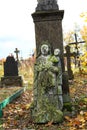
x=16 y=115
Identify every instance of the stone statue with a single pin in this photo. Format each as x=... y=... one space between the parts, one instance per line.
x=46 y=104
x=44 y=5
x=59 y=78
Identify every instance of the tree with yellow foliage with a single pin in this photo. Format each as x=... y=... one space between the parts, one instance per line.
x=84 y=29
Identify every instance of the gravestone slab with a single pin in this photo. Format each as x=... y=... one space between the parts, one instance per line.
x=11 y=73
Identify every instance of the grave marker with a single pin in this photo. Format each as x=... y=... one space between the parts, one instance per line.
x=11 y=77
x=76 y=43
x=76 y=47
x=10 y=67
x=48 y=29
x=17 y=51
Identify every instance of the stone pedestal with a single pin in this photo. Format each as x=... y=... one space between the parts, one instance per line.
x=11 y=81
x=48 y=27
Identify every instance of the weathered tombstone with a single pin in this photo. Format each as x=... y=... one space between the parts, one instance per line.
x=10 y=67
x=48 y=103
x=11 y=73
x=48 y=27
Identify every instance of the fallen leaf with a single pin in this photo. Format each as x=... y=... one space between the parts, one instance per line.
x=49 y=123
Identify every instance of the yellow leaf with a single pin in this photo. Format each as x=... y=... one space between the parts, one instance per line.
x=67 y=118
x=85 y=99
x=27 y=106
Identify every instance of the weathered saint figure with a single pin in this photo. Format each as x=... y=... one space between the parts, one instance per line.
x=46 y=103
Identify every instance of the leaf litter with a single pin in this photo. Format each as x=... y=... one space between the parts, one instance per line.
x=17 y=115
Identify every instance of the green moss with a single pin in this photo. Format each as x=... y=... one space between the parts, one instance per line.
x=46 y=116
x=53 y=59
x=67 y=106
x=47 y=112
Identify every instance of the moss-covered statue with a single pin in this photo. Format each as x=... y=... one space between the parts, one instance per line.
x=47 y=94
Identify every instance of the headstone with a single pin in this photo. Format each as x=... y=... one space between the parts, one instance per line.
x=48 y=27
x=10 y=67
x=48 y=101
x=11 y=73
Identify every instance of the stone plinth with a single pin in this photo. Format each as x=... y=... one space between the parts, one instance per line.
x=11 y=81
x=48 y=26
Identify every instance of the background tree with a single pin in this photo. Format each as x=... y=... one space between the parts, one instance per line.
x=84 y=29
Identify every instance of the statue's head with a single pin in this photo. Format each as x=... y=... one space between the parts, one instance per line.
x=44 y=49
x=57 y=52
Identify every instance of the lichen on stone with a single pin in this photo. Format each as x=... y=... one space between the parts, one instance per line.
x=46 y=106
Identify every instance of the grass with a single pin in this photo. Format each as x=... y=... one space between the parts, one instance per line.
x=7 y=92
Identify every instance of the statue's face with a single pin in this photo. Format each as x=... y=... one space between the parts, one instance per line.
x=56 y=52
x=44 y=49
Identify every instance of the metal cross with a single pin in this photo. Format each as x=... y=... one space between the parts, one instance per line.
x=16 y=51
x=76 y=43
x=77 y=53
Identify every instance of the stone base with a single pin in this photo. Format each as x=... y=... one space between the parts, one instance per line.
x=11 y=80
x=45 y=116
x=45 y=112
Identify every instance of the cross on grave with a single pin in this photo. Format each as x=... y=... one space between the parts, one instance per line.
x=68 y=55
x=76 y=43
x=16 y=51
x=77 y=53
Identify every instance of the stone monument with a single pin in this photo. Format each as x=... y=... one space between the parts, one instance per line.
x=11 y=73
x=48 y=101
x=48 y=27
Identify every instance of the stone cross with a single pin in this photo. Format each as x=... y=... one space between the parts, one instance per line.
x=16 y=51
x=68 y=55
